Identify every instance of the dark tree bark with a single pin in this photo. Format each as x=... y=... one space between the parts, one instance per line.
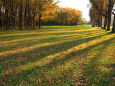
x=12 y=15
x=105 y=23
x=25 y=15
x=113 y=29
x=7 y=19
x=109 y=15
x=3 y=16
x=28 y=15
x=20 y=15
x=100 y=21
x=39 y=21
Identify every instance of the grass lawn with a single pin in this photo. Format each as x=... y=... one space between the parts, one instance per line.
x=57 y=56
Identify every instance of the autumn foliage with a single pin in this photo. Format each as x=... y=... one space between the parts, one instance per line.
x=27 y=14
x=63 y=16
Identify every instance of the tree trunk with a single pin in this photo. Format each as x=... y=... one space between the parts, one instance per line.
x=34 y=21
x=20 y=16
x=109 y=15
x=109 y=22
x=3 y=21
x=113 y=29
x=3 y=16
x=39 y=21
x=12 y=14
x=7 y=20
x=25 y=15
x=101 y=21
x=105 y=23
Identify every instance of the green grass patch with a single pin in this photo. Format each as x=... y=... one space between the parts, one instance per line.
x=57 y=56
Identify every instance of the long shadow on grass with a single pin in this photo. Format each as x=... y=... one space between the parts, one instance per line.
x=16 y=60
x=90 y=73
x=13 y=37
x=93 y=74
x=32 y=43
x=16 y=79
x=12 y=43
x=90 y=70
x=27 y=43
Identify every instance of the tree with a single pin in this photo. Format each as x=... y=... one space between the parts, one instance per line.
x=107 y=4
x=23 y=13
x=95 y=17
x=110 y=6
x=113 y=29
x=67 y=16
x=20 y=14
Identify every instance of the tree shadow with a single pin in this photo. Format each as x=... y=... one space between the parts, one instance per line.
x=14 y=37
x=92 y=75
x=18 y=59
x=23 y=75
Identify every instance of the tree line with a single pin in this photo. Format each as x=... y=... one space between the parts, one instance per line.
x=27 y=14
x=23 y=13
x=102 y=10
x=64 y=16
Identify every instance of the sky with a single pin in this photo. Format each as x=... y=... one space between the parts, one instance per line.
x=79 y=5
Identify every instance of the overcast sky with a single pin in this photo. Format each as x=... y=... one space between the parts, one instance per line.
x=77 y=4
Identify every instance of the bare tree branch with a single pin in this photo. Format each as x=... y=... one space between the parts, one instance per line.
x=96 y=7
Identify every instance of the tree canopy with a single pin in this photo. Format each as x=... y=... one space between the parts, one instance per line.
x=26 y=14
x=102 y=10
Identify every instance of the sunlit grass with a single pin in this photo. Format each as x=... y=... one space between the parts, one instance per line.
x=57 y=56
x=44 y=37
x=61 y=40
x=43 y=32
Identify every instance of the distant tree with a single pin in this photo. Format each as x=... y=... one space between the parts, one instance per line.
x=44 y=6
x=64 y=16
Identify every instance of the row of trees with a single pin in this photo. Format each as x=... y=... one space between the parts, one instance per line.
x=26 y=14
x=23 y=13
x=63 y=16
x=102 y=10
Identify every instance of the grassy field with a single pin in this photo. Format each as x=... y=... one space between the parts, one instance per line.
x=57 y=56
